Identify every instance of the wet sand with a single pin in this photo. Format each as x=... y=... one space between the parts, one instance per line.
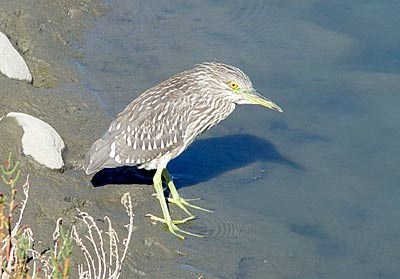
x=49 y=36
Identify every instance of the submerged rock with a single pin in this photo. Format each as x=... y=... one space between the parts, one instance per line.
x=11 y=62
x=40 y=140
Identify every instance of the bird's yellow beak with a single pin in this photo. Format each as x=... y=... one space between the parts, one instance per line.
x=256 y=98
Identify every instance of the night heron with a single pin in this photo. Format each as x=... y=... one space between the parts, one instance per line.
x=164 y=120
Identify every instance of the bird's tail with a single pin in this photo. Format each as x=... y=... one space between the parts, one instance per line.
x=97 y=156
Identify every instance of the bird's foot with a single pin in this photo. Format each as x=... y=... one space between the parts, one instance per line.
x=172 y=225
x=176 y=222
x=182 y=203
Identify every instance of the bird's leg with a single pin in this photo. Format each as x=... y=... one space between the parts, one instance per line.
x=171 y=224
x=176 y=199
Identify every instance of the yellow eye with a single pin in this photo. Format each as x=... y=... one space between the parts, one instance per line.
x=233 y=84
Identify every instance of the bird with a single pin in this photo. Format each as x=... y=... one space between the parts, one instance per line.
x=164 y=120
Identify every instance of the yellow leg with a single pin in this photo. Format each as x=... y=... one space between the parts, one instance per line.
x=176 y=199
x=171 y=224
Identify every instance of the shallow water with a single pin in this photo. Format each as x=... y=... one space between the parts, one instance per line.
x=310 y=193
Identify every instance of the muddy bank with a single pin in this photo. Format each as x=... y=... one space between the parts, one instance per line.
x=49 y=35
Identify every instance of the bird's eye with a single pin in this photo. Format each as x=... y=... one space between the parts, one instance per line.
x=233 y=84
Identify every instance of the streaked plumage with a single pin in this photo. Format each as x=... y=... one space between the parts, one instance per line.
x=164 y=120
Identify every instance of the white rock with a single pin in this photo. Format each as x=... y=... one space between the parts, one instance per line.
x=11 y=62
x=40 y=140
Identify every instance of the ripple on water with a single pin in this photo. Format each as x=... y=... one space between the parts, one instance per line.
x=222 y=227
x=253 y=17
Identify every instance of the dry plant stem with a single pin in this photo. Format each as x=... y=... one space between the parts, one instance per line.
x=113 y=237
x=86 y=253
x=10 y=175
x=100 y=254
x=95 y=254
x=3 y=226
x=15 y=241
x=127 y=202
x=14 y=260
x=56 y=237
x=103 y=259
x=60 y=255
x=28 y=234
x=23 y=203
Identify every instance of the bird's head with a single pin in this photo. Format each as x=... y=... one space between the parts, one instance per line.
x=234 y=84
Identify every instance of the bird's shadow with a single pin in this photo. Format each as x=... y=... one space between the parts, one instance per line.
x=202 y=161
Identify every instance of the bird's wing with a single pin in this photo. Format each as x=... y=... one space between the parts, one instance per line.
x=145 y=130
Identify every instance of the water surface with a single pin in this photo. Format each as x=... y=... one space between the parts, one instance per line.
x=310 y=193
